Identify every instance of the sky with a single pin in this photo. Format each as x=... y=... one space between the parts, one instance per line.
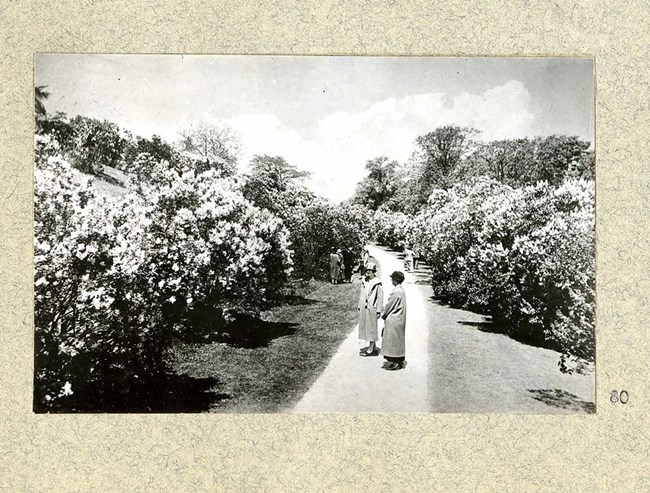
x=327 y=115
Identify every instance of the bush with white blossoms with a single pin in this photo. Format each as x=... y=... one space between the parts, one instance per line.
x=318 y=227
x=117 y=277
x=444 y=231
x=525 y=256
x=207 y=243
x=392 y=229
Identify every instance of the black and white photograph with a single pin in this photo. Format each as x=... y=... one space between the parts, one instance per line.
x=314 y=234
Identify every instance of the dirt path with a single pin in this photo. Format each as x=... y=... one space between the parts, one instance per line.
x=455 y=364
x=351 y=383
x=475 y=370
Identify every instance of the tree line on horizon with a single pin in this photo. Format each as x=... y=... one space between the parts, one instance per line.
x=507 y=229
x=453 y=154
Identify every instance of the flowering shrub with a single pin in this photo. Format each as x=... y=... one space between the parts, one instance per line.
x=116 y=277
x=315 y=227
x=444 y=232
x=358 y=220
x=95 y=144
x=318 y=228
x=392 y=229
x=526 y=256
x=538 y=243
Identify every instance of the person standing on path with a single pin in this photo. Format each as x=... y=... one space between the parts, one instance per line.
x=348 y=261
x=393 y=346
x=408 y=258
x=371 y=304
x=334 y=266
x=341 y=272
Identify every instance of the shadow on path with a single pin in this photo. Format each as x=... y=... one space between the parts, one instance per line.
x=562 y=399
x=490 y=327
x=299 y=300
x=482 y=326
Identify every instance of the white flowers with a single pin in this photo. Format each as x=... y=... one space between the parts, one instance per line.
x=67 y=389
x=526 y=255
x=108 y=268
x=41 y=282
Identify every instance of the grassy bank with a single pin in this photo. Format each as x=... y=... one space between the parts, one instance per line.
x=267 y=365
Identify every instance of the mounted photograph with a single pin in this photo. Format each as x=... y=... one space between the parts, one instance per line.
x=276 y=234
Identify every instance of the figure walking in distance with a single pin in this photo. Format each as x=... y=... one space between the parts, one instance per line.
x=408 y=258
x=393 y=346
x=334 y=266
x=371 y=304
x=341 y=272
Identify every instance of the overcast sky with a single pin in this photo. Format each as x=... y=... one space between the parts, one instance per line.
x=327 y=115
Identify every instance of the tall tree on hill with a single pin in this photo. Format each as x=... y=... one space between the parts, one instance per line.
x=274 y=184
x=275 y=171
x=95 y=144
x=526 y=161
x=155 y=147
x=439 y=153
x=212 y=146
x=557 y=154
x=379 y=186
x=509 y=161
x=407 y=179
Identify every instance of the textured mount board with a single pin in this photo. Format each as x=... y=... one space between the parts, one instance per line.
x=607 y=451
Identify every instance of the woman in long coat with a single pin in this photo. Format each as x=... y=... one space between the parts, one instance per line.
x=393 y=345
x=341 y=272
x=334 y=266
x=371 y=303
x=348 y=260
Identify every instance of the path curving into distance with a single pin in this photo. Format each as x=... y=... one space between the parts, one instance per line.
x=457 y=362
x=351 y=383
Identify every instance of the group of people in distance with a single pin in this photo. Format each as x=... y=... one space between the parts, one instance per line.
x=371 y=308
x=341 y=266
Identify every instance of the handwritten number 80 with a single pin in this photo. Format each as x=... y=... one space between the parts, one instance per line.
x=623 y=397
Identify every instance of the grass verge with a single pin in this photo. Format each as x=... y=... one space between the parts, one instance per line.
x=269 y=365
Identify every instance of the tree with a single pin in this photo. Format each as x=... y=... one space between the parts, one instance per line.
x=557 y=154
x=407 y=181
x=275 y=171
x=439 y=153
x=526 y=161
x=59 y=128
x=40 y=95
x=212 y=147
x=379 y=186
x=274 y=184
x=95 y=144
x=509 y=161
x=585 y=167
x=142 y=155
